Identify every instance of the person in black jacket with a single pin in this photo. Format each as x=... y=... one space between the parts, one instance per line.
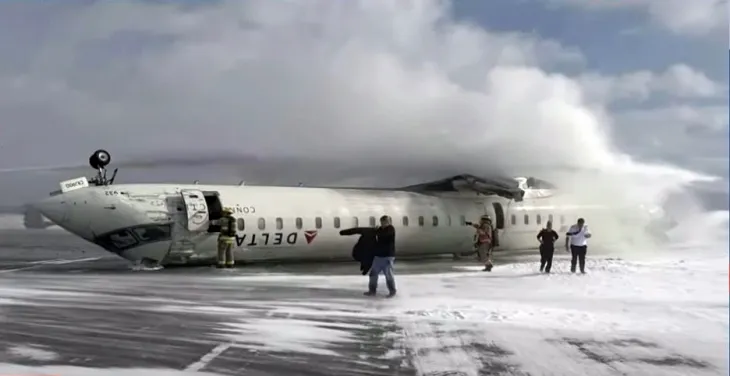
x=547 y=238
x=384 y=257
x=363 y=251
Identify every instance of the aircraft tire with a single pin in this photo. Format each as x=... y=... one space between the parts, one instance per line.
x=99 y=159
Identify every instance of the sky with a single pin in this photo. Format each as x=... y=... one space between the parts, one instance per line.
x=414 y=84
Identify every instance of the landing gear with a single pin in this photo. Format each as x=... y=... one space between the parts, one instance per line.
x=98 y=161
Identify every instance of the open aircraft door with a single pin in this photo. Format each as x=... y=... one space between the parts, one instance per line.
x=499 y=221
x=196 y=211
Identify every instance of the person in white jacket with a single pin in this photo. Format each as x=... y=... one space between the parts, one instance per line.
x=577 y=237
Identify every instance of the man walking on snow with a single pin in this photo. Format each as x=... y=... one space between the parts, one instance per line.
x=577 y=237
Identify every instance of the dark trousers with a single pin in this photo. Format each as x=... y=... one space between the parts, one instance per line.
x=546 y=257
x=578 y=253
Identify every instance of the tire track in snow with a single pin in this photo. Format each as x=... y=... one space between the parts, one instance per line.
x=433 y=354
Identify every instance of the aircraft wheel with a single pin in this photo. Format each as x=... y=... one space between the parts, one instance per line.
x=99 y=159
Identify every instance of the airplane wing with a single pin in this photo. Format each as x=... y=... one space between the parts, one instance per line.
x=500 y=186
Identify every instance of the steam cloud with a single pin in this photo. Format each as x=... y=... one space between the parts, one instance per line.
x=365 y=88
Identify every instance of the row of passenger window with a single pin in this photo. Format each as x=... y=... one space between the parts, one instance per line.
x=337 y=222
x=538 y=219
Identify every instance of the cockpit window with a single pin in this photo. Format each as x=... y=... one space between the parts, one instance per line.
x=152 y=233
x=131 y=237
x=121 y=239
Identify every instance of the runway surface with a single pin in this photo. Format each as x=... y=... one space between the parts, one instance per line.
x=68 y=308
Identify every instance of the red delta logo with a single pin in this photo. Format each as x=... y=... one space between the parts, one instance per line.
x=310 y=235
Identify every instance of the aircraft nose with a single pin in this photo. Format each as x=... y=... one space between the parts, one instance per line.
x=70 y=211
x=54 y=208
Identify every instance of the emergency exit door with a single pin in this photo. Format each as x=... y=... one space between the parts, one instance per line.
x=499 y=224
x=196 y=210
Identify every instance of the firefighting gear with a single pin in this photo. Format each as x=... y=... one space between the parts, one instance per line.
x=226 y=237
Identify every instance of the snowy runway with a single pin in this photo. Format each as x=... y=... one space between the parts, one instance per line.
x=623 y=318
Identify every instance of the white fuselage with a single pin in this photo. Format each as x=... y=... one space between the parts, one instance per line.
x=170 y=223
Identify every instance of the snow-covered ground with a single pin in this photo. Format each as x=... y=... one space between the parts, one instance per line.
x=636 y=312
x=549 y=324
x=664 y=316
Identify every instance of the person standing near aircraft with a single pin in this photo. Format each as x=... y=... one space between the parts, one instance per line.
x=226 y=237
x=483 y=242
x=384 y=257
x=577 y=236
x=547 y=238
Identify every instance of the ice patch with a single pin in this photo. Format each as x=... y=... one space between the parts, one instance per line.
x=14 y=369
x=19 y=292
x=35 y=264
x=214 y=310
x=32 y=352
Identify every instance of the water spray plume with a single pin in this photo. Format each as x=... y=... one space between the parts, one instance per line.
x=363 y=91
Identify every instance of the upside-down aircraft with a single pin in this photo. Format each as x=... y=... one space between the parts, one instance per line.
x=163 y=224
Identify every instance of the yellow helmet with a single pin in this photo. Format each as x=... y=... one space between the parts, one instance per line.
x=227 y=211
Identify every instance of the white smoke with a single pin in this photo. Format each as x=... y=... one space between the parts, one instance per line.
x=396 y=84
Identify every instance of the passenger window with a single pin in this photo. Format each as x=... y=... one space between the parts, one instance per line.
x=539 y=219
x=421 y=221
x=279 y=223
x=318 y=222
x=298 y=222
x=372 y=221
x=405 y=221
x=562 y=219
x=337 y=222
x=527 y=219
x=513 y=219
x=240 y=224
x=550 y=217
x=462 y=220
x=262 y=223
x=435 y=220
x=355 y=222
x=448 y=219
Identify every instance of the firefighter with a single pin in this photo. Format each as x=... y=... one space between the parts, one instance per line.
x=226 y=237
x=483 y=243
